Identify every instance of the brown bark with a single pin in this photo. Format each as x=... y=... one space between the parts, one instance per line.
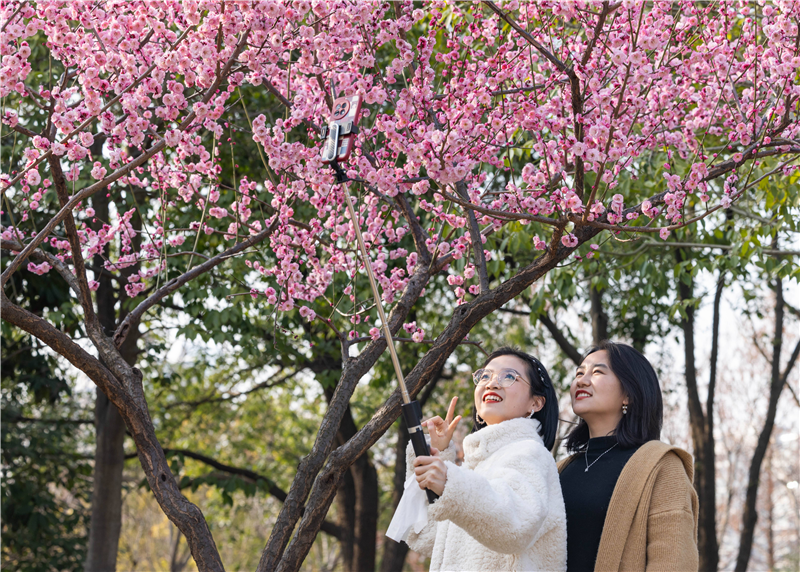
x=599 y=316
x=394 y=553
x=106 y=520
x=702 y=426
x=357 y=500
x=777 y=382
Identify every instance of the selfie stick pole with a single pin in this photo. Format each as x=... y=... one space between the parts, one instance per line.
x=412 y=413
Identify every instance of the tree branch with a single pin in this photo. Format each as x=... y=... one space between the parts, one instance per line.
x=476 y=238
x=277 y=492
x=234 y=394
x=417 y=232
x=52 y=259
x=132 y=319
x=85 y=295
x=495 y=213
x=566 y=346
x=530 y=39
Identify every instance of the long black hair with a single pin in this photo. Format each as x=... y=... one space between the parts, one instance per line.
x=541 y=385
x=642 y=422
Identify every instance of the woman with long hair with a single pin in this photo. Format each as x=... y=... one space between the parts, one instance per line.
x=502 y=509
x=629 y=498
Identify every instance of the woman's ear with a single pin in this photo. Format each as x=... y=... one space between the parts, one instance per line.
x=538 y=403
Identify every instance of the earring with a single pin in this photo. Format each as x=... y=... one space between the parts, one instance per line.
x=624 y=408
x=479 y=419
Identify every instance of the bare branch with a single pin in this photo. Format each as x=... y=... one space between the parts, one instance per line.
x=133 y=318
x=233 y=394
x=531 y=40
x=476 y=238
x=566 y=346
x=253 y=477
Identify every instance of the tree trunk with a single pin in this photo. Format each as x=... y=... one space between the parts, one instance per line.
x=777 y=382
x=770 y=515
x=702 y=428
x=109 y=460
x=357 y=499
x=599 y=317
x=366 y=480
x=708 y=545
x=394 y=553
x=106 y=522
x=346 y=503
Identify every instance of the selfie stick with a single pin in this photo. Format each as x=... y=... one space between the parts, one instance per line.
x=412 y=413
x=338 y=146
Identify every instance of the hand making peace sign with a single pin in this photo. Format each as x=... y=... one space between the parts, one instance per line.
x=441 y=430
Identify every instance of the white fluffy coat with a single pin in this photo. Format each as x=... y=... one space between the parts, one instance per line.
x=502 y=509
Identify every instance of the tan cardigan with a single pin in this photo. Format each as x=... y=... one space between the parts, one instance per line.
x=651 y=523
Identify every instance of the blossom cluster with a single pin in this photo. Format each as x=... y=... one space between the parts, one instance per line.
x=449 y=96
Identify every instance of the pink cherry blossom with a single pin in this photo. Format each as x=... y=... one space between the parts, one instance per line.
x=39 y=269
x=569 y=240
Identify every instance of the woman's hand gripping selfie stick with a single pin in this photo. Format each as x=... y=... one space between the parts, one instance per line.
x=411 y=409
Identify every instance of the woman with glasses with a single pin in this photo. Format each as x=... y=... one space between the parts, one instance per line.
x=629 y=497
x=502 y=509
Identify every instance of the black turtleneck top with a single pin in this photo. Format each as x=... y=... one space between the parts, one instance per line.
x=586 y=498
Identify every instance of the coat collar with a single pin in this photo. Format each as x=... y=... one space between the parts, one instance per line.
x=482 y=444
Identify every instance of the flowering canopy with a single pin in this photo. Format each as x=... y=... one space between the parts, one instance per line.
x=476 y=116
x=580 y=98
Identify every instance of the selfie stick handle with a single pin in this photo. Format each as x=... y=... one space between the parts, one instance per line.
x=412 y=412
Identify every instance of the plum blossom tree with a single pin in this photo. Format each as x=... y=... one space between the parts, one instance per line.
x=483 y=122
